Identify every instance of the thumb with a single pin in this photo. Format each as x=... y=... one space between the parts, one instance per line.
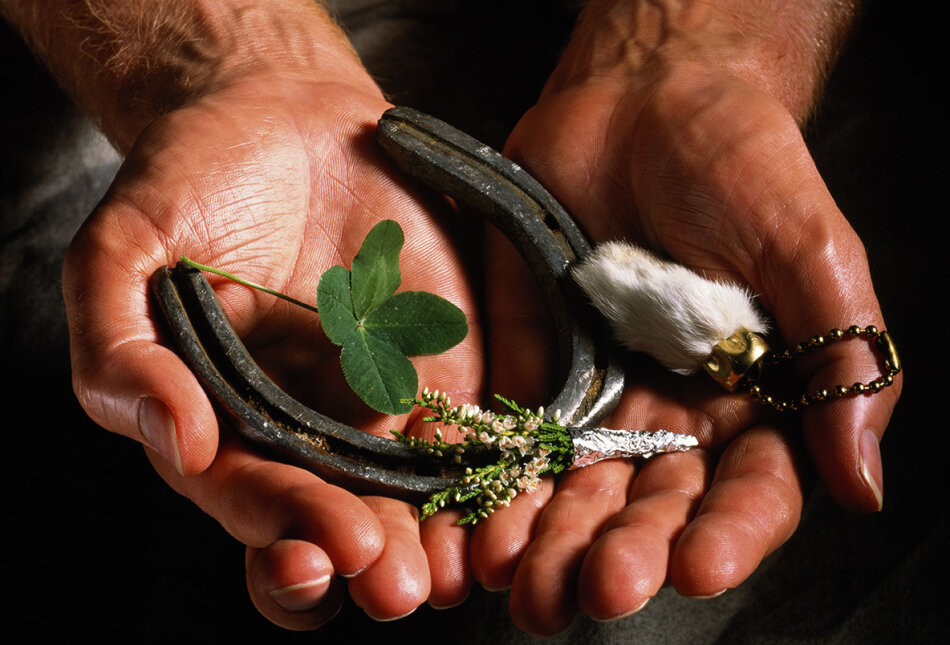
x=124 y=379
x=820 y=283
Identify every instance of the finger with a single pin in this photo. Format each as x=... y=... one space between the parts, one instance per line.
x=399 y=581
x=752 y=507
x=447 y=550
x=446 y=544
x=291 y=583
x=499 y=542
x=124 y=380
x=627 y=564
x=260 y=502
x=848 y=457
x=544 y=592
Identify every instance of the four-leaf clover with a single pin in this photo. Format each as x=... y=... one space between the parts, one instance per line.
x=378 y=328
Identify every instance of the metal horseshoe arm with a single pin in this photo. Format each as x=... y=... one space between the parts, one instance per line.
x=474 y=175
x=477 y=176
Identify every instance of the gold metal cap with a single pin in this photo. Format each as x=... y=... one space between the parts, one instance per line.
x=737 y=359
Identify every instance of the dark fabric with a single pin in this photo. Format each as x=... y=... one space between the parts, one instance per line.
x=96 y=545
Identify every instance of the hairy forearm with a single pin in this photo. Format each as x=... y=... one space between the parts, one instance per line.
x=785 y=47
x=128 y=61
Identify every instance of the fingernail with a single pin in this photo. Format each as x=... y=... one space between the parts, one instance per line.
x=157 y=425
x=354 y=573
x=302 y=596
x=391 y=619
x=871 y=470
x=708 y=596
x=449 y=606
x=496 y=589
x=626 y=614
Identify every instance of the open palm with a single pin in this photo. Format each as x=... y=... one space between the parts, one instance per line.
x=714 y=174
x=275 y=183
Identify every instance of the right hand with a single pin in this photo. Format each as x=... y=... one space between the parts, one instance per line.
x=683 y=150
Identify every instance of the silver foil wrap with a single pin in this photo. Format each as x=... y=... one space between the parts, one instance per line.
x=595 y=444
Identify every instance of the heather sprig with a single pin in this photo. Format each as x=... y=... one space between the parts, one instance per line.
x=528 y=447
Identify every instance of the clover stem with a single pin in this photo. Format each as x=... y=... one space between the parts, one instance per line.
x=247 y=283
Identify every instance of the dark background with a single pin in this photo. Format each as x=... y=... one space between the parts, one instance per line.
x=95 y=545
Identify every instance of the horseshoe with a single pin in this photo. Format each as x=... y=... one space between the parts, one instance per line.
x=483 y=180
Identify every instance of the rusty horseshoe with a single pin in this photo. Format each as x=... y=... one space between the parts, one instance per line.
x=477 y=176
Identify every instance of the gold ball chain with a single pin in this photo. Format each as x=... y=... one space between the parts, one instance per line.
x=881 y=339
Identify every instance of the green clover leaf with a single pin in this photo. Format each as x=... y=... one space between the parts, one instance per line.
x=417 y=323
x=335 y=304
x=375 y=270
x=378 y=328
x=378 y=372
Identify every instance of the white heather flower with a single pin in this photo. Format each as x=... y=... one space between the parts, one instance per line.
x=520 y=443
x=538 y=464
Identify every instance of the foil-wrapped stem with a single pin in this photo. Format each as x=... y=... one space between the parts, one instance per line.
x=595 y=444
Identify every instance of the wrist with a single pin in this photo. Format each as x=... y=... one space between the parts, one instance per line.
x=128 y=62
x=784 y=49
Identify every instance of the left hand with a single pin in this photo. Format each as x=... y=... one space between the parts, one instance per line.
x=699 y=162
x=248 y=127
x=275 y=181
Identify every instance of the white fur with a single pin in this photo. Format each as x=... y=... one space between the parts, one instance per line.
x=662 y=308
